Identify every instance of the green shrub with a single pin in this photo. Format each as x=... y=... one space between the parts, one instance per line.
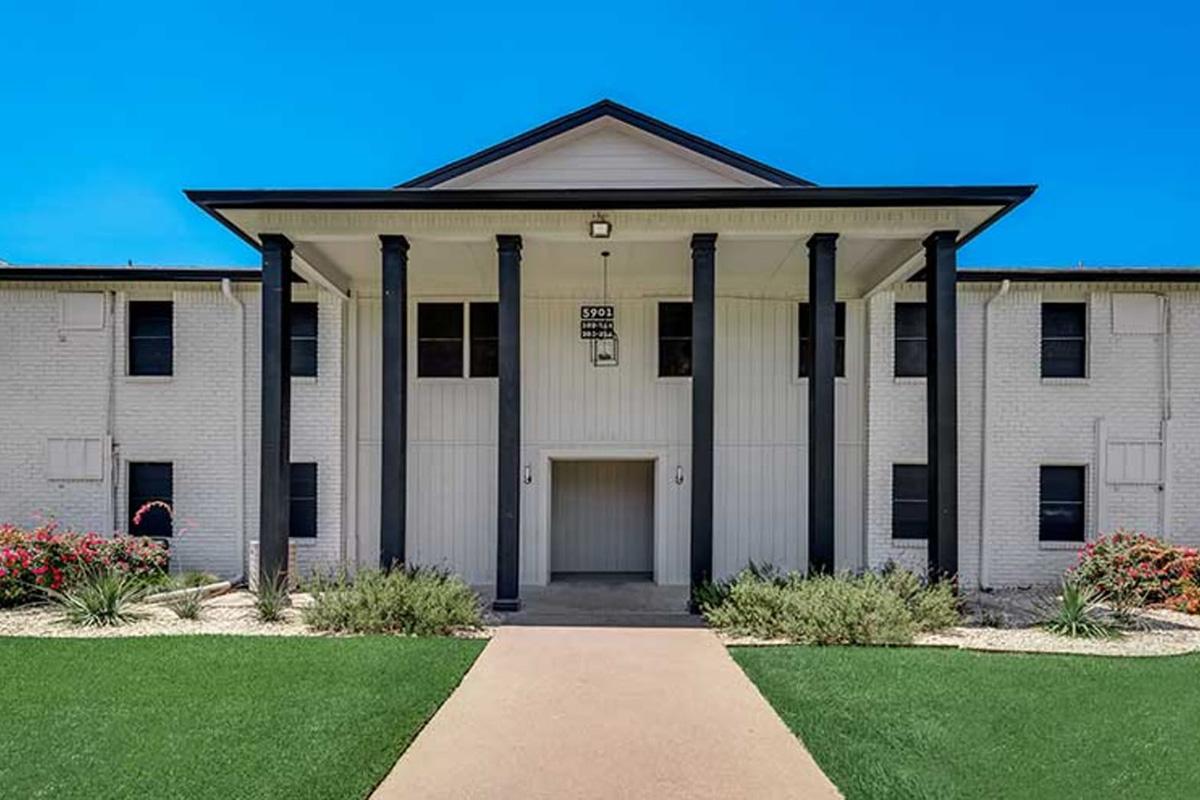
x=1076 y=613
x=186 y=605
x=887 y=608
x=421 y=601
x=271 y=598
x=99 y=597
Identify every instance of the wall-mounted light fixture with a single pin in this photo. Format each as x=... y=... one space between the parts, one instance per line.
x=600 y=228
x=679 y=475
x=527 y=475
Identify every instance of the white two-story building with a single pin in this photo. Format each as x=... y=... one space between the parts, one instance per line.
x=607 y=347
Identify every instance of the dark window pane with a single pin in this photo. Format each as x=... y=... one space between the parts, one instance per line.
x=1064 y=340
x=150 y=482
x=150 y=356
x=303 y=518
x=1061 y=508
x=440 y=340
x=675 y=320
x=439 y=321
x=674 y=340
x=910 y=501
x=910 y=359
x=1063 y=484
x=910 y=340
x=839 y=333
x=485 y=342
x=440 y=359
x=674 y=358
x=304 y=340
x=1064 y=319
x=910 y=321
x=151 y=345
x=304 y=320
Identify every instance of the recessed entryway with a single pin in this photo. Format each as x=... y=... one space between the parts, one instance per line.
x=602 y=519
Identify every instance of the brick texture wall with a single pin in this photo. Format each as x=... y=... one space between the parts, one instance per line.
x=56 y=384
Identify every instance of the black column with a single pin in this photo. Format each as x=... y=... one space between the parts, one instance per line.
x=822 y=360
x=275 y=492
x=393 y=494
x=704 y=281
x=508 y=526
x=941 y=324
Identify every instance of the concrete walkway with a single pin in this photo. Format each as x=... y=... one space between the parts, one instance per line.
x=585 y=712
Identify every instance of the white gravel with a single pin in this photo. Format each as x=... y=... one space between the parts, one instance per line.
x=231 y=614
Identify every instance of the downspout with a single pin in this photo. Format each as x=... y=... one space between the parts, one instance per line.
x=113 y=466
x=984 y=577
x=1164 y=461
x=227 y=290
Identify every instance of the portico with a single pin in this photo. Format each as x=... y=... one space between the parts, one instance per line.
x=734 y=443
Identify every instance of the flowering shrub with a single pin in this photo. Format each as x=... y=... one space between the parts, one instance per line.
x=46 y=558
x=1187 y=601
x=1133 y=568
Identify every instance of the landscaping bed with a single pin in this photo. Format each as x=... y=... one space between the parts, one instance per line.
x=940 y=723
x=217 y=717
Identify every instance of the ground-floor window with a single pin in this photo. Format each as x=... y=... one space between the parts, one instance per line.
x=839 y=335
x=303 y=516
x=1061 y=504
x=910 y=501
x=151 y=498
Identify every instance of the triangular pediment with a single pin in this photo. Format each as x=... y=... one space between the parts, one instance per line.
x=605 y=146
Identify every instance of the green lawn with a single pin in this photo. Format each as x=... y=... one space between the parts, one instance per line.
x=923 y=722
x=215 y=717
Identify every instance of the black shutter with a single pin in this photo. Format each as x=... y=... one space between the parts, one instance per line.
x=304 y=340
x=674 y=340
x=151 y=337
x=439 y=340
x=151 y=482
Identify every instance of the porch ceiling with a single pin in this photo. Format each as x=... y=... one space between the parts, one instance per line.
x=761 y=231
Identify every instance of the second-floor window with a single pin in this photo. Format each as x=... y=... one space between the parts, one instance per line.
x=910 y=340
x=151 y=337
x=1064 y=340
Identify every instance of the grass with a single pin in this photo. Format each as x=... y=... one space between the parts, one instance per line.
x=931 y=723
x=216 y=717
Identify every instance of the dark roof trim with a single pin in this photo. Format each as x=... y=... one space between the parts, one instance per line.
x=84 y=273
x=604 y=108
x=1076 y=275
x=606 y=199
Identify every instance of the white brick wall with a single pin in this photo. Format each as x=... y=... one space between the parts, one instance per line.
x=1032 y=421
x=55 y=384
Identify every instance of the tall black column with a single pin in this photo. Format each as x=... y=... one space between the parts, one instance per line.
x=704 y=284
x=822 y=360
x=508 y=526
x=941 y=332
x=393 y=495
x=275 y=493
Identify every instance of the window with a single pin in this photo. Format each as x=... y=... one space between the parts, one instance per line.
x=839 y=336
x=910 y=501
x=1061 y=504
x=1064 y=340
x=151 y=346
x=674 y=340
x=485 y=340
x=303 y=518
x=439 y=340
x=151 y=482
x=910 y=340
x=304 y=340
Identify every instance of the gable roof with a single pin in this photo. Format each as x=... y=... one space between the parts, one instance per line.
x=604 y=108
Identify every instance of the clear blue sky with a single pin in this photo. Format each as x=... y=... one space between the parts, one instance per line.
x=109 y=110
